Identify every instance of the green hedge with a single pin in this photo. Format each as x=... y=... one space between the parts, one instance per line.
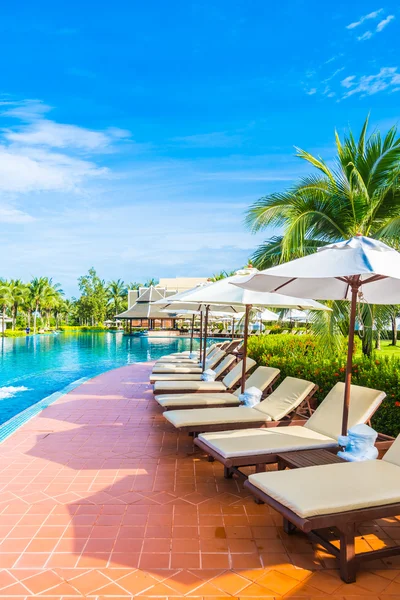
x=9 y=333
x=306 y=357
x=68 y=328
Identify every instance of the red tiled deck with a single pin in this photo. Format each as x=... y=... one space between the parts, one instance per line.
x=101 y=499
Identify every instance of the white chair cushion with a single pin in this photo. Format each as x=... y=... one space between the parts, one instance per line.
x=211 y=416
x=175 y=377
x=177 y=400
x=329 y=489
x=287 y=396
x=327 y=419
x=249 y=442
x=192 y=386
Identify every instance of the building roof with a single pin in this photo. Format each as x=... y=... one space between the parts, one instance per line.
x=142 y=307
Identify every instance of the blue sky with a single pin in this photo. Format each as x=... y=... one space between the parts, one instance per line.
x=134 y=135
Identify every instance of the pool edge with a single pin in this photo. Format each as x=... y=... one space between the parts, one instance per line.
x=13 y=424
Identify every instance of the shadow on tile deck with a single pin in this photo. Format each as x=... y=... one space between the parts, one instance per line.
x=100 y=498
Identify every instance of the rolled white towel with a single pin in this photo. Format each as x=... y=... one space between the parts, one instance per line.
x=209 y=375
x=251 y=397
x=193 y=355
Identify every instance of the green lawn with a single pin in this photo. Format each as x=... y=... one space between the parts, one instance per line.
x=388 y=350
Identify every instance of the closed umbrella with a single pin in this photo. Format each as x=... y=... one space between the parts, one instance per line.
x=357 y=269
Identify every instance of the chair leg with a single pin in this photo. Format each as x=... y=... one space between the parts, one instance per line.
x=288 y=527
x=228 y=473
x=347 y=553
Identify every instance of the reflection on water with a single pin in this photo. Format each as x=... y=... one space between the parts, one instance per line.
x=31 y=368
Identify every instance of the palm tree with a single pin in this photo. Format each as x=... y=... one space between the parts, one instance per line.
x=221 y=275
x=19 y=292
x=51 y=300
x=43 y=293
x=116 y=294
x=134 y=285
x=359 y=194
x=151 y=282
x=5 y=301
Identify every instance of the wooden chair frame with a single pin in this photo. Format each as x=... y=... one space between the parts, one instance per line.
x=344 y=522
x=266 y=393
x=232 y=465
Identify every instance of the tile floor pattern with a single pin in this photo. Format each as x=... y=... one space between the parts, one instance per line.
x=99 y=498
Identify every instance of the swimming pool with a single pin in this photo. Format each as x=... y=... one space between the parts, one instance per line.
x=35 y=367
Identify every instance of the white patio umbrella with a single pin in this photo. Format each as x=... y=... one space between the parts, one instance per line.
x=357 y=269
x=223 y=293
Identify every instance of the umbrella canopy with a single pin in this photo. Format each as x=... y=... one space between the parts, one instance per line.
x=295 y=315
x=358 y=268
x=267 y=315
x=329 y=273
x=223 y=293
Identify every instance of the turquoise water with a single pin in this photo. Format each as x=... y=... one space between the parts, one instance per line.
x=34 y=367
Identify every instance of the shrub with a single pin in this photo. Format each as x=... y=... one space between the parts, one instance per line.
x=9 y=333
x=306 y=357
x=72 y=328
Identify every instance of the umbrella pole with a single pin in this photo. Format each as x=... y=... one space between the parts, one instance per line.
x=201 y=336
x=245 y=335
x=205 y=337
x=233 y=328
x=347 y=384
x=191 y=335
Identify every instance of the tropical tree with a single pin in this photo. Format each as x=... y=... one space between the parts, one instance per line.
x=221 y=275
x=151 y=281
x=43 y=294
x=134 y=285
x=18 y=292
x=92 y=305
x=116 y=295
x=359 y=193
x=5 y=301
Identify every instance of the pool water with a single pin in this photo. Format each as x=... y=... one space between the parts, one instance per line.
x=32 y=368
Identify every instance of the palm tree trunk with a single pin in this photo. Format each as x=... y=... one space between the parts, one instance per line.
x=35 y=317
x=14 y=317
x=378 y=341
x=4 y=320
x=394 y=332
x=367 y=340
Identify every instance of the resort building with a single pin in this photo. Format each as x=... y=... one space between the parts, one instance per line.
x=139 y=312
x=3 y=323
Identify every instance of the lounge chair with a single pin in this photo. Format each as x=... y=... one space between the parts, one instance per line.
x=278 y=405
x=182 y=376
x=184 y=357
x=341 y=496
x=258 y=447
x=211 y=362
x=226 y=385
x=262 y=378
x=227 y=347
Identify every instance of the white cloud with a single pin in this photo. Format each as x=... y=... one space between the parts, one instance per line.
x=57 y=135
x=28 y=170
x=312 y=91
x=365 y=36
x=39 y=154
x=11 y=215
x=367 y=85
x=382 y=24
x=348 y=81
x=371 y=15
